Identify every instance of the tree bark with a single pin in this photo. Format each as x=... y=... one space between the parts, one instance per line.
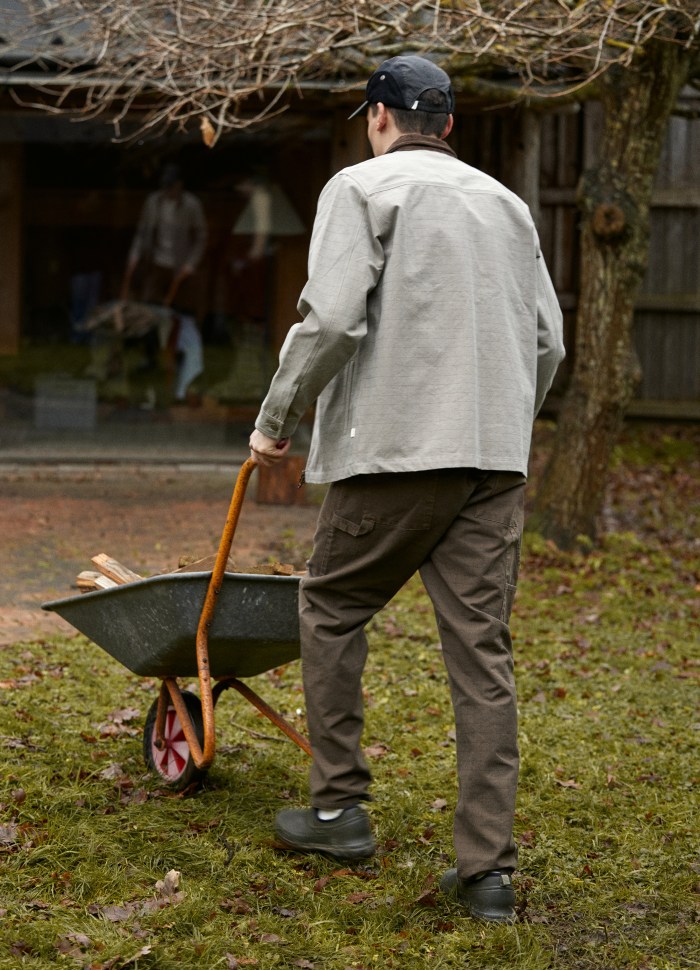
x=614 y=199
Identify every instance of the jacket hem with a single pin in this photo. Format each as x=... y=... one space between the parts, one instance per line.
x=324 y=476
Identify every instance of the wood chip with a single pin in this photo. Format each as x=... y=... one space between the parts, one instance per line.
x=188 y=565
x=207 y=564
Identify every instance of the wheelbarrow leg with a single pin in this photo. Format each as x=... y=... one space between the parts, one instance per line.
x=159 y=729
x=166 y=747
x=265 y=709
x=169 y=688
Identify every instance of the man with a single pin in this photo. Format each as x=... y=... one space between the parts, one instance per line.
x=170 y=241
x=431 y=335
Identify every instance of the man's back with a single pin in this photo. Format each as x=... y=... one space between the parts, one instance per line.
x=441 y=264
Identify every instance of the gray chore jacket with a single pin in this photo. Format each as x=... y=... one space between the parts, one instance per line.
x=431 y=331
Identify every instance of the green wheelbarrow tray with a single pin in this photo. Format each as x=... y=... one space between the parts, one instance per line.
x=150 y=625
x=211 y=625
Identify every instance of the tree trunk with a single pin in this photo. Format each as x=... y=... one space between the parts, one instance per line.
x=614 y=199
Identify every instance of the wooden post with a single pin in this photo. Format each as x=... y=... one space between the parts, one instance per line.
x=279 y=484
x=10 y=247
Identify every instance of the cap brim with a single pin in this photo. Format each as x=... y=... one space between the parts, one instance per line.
x=357 y=111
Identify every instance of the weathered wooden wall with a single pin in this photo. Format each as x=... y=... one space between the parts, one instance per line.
x=667 y=319
x=667 y=325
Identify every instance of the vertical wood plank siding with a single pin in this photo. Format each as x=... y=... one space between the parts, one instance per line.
x=667 y=321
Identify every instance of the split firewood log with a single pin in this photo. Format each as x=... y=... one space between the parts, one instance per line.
x=114 y=569
x=88 y=581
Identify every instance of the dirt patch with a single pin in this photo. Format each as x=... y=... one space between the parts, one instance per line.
x=53 y=522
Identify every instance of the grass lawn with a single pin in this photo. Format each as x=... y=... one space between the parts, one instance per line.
x=606 y=649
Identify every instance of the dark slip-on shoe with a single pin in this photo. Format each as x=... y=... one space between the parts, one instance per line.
x=346 y=837
x=488 y=896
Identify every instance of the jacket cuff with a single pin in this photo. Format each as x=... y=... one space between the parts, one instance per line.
x=269 y=425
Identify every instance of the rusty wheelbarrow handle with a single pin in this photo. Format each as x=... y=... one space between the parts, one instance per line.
x=204 y=755
x=205 y=758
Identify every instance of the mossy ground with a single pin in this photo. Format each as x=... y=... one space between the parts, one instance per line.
x=607 y=662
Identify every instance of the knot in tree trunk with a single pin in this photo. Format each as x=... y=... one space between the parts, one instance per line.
x=606 y=203
x=608 y=220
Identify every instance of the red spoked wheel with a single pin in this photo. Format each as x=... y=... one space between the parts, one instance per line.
x=173 y=762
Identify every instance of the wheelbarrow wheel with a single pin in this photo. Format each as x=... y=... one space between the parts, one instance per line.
x=173 y=763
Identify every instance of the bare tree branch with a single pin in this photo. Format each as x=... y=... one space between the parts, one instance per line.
x=231 y=62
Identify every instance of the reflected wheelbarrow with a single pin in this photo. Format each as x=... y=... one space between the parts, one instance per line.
x=217 y=625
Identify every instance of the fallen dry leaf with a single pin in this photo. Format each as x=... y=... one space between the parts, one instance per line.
x=286 y=913
x=73 y=944
x=112 y=913
x=377 y=750
x=429 y=898
x=124 y=714
x=111 y=772
x=208 y=132
x=527 y=838
x=238 y=906
x=137 y=797
x=20 y=948
x=357 y=897
x=169 y=885
x=8 y=833
x=153 y=905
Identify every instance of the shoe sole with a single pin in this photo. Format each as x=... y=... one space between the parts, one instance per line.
x=359 y=852
x=484 y=918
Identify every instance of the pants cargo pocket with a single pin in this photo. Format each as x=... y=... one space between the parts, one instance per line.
x=340 y=542
x=361 y=528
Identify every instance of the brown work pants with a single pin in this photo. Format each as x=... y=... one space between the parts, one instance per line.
x=461 y=529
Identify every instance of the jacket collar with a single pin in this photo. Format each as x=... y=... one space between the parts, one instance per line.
x=407 y=143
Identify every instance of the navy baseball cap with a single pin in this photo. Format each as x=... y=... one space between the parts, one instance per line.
x=400 y=81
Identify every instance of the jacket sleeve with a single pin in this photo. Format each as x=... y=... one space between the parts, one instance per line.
x=345 y=262
x=550 y=339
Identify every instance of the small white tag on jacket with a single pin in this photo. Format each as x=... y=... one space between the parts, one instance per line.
x=352 y=432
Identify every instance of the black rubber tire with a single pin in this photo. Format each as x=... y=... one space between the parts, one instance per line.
x=174 y=765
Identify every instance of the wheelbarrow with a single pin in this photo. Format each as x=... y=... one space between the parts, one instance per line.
x=218 y=626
